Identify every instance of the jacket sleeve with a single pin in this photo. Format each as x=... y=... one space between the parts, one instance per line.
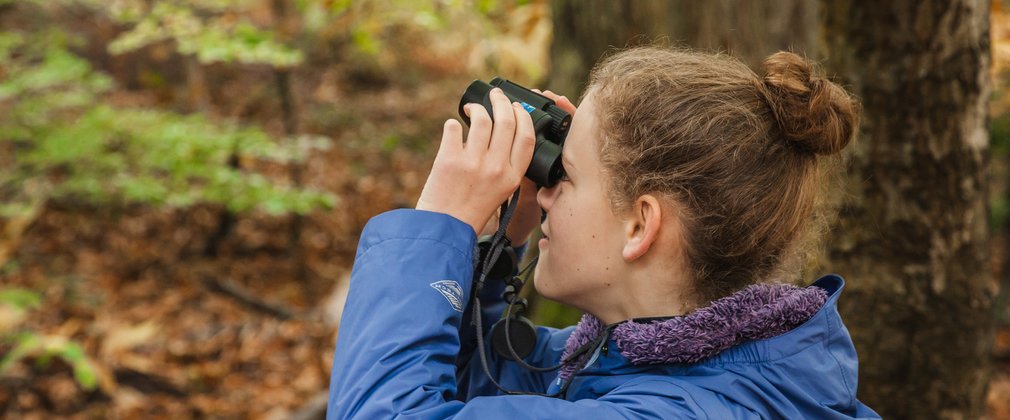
x=399 y=335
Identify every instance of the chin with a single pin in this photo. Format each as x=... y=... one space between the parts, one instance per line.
x=538 y=282
x=541 y=283
x=548 y=289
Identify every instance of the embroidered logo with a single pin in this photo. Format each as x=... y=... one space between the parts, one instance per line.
x=452 y=292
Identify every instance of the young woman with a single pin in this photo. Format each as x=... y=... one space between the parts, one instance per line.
x=689 y=181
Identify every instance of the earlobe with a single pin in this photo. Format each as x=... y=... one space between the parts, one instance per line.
x=642 y=228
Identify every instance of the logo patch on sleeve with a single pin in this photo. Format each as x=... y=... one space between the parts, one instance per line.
x=452 y=291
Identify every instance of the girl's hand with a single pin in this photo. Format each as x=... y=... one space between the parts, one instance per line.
x=527 y=214
x=470 y=180
x=562 y=101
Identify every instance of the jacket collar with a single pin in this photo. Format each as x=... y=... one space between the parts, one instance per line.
x=759 y=311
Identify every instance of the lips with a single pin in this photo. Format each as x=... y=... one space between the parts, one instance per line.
x=543 y=229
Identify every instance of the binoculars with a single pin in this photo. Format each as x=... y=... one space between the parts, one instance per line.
x=550 y=123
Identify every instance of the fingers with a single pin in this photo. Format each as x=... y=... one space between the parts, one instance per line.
x=562 y=101
x=505 y=145
x=504 y=128
x=452 y=139
x=525 y=140
x=566 y=104
x=480 y=130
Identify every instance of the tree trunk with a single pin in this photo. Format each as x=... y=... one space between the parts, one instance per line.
x=750 y=30
x=911 y=235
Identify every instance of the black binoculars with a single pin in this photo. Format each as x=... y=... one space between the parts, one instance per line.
x=550 y=123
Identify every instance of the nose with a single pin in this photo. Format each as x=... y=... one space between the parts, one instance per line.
x=546 y=196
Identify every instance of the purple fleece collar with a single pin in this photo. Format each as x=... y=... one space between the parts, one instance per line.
x=757 y=312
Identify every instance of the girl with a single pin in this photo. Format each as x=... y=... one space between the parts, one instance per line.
x=689 y=181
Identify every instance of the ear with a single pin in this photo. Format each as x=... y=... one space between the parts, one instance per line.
x=641 y=229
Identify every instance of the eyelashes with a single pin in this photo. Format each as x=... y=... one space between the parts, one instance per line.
x=564 y=177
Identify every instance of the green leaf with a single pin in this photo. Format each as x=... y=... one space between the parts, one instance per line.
x=70 y=352
x=275 y=205
x=364 y=40
x=20 y=298
x=24 y=344
x=340 y=6
x=85 y=374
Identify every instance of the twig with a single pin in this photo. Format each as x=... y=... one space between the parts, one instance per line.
x=236 y=291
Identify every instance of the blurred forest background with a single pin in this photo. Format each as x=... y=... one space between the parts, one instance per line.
x=182 y=182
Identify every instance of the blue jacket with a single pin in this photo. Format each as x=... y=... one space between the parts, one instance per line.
x=404 y=350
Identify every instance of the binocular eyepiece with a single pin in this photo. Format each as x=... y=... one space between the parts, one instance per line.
x=550 y=123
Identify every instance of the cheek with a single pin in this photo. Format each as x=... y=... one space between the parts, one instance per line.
x=570 y=251
x=581 y=230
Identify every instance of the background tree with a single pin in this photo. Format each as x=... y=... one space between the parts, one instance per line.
x=751 y=30
x=911 y=237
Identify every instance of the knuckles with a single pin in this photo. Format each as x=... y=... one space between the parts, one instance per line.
x=527 y=137
x=494 y=171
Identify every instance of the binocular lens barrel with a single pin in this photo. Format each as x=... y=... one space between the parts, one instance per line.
x=545 y=169
x=549 y=122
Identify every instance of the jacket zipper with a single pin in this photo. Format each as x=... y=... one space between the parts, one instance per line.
x=606 y=339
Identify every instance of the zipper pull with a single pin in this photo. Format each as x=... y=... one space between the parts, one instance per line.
x=606 y=338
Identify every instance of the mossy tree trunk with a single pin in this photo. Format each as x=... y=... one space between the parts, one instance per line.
x=911 y=237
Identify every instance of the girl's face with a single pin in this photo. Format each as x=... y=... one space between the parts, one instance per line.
x=580 y=255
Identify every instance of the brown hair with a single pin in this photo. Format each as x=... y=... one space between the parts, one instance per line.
x=735 y=151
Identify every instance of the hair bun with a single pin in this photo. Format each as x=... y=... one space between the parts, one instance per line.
x=813 y=113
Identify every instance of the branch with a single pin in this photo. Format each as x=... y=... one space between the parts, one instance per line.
x=236 y=291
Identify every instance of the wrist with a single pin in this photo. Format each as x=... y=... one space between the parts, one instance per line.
x=421 y=205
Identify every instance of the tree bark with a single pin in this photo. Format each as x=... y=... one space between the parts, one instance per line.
x=585 y=29
x=911 y=235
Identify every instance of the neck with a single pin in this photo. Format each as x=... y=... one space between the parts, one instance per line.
x=644 y=293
